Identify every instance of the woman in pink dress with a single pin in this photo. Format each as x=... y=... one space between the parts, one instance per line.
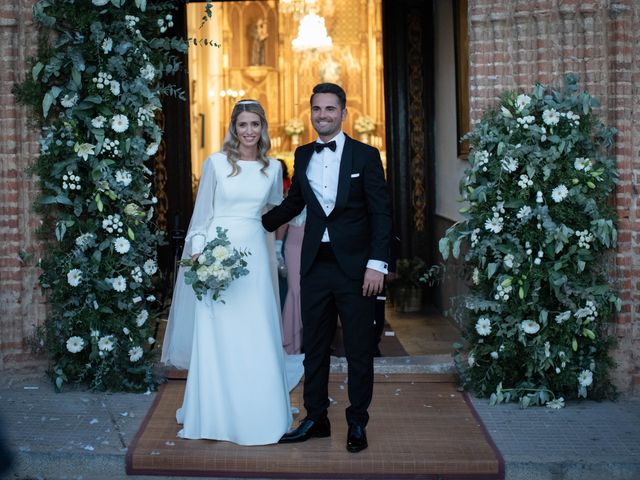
x=291 y=317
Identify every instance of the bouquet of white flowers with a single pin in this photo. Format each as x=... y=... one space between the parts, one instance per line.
x=216 y=267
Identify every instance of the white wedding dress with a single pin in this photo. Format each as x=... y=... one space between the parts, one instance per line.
x=237 y=383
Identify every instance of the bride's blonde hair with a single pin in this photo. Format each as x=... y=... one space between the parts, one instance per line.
x=232 y=143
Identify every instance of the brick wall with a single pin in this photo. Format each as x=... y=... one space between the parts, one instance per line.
x=515 y=44
x=21 y=305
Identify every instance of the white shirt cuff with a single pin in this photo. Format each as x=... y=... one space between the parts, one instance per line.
x=378 y=265
x=197 y=244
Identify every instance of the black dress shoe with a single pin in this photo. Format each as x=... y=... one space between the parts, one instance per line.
x=356 y=438
x=307 y=429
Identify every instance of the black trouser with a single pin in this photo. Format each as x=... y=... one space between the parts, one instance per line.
x=327 y=292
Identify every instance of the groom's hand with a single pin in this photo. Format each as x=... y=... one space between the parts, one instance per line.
x=373 y=282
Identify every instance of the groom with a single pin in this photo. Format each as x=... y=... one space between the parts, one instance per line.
x=343 y=261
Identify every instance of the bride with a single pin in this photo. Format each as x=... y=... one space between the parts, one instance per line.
x=237 y=383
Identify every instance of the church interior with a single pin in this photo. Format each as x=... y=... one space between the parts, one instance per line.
x=275 y=51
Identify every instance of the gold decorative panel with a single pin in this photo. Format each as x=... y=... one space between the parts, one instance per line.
x=256 y=58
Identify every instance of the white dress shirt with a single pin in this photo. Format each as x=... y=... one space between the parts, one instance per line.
x=323 y=173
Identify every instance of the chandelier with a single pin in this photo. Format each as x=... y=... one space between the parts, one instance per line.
x=312 y=34
x=296 y=7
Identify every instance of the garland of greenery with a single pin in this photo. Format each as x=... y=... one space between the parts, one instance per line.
x=95 y=89
x=537 y=230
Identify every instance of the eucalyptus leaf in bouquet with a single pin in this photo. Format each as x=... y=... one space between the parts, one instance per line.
x=216 y=267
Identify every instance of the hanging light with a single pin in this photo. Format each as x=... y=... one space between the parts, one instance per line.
x=296 y=7
x=312 y=34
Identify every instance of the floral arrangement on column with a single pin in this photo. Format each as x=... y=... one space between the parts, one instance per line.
x=536 y=238
x=294 y=128
x=364 y=125
x=95 y=89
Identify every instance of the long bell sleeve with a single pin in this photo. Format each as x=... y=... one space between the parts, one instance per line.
x=203 y=209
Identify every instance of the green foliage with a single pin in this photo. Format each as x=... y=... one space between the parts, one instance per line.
x=94 y=88
x=537 y=230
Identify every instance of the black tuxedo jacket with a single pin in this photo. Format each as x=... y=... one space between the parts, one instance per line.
x=360 y=223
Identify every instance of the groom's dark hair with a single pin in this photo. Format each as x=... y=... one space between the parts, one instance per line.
x=331 y=88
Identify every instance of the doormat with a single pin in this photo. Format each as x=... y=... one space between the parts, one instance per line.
x=421 y=427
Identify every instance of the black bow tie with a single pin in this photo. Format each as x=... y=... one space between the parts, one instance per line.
x=317 y=146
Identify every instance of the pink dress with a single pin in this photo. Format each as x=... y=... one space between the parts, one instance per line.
x=291 y=317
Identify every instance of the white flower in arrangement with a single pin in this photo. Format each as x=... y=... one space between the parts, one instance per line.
x=556 y=403
x=107 y=45
x=471 y=360
x=111 y=146
x=119 y=283
x=475 y=277
x=481 y=158
x=584 y=239
x=122 y=245
x=543 y=134
x=135 y=353
x=582 y=163
x=551 y=117
x=151 y=340
x=70 y=181
x=75 y=344
x=524 y=213
x=151 y=298
x=220 y=253
x=562 y=317
x=508 y=260
x=474 y=237
x=106 y=343
x=74 y=277
x=103 y=79
x=509 y=164
x=136 y=275
x=483 y=326
x=98 y=122
x=123 y=177
x=585 y=378
x=573 y=118
x=526 y=121
x=148 y=72
x=150 y=267
x=142 y=318
x=494 y=355
x=522 y=101
x=152 y=149
x=119 y=123
x=502 y=293
x=84 y=240
x=494 y=224
x=114 y=86
x=99 y=3
x=559 y=193
x=126 y=331
x=524 y=181
x=539 y=197
x=131 y=21
x=95 y=333
x=112 y=223
x=69 y=101
x=530 y=326
x=83 y=150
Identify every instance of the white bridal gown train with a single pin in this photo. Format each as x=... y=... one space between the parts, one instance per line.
x=237 y=387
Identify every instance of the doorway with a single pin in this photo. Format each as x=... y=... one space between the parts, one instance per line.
x=383 y=55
